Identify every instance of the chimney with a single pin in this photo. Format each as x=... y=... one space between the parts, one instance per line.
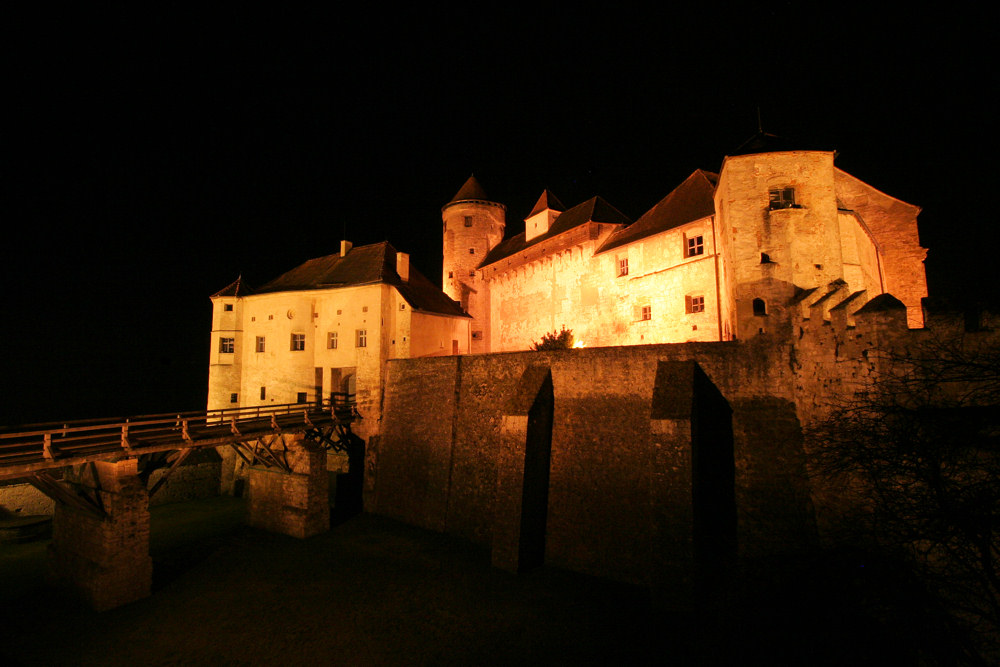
x=345 y=247
x=403 y=265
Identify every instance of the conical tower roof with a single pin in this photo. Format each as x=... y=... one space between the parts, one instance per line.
x=545 y=202
x=471 y=190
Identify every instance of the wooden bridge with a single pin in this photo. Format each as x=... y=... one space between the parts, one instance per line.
x=98 y=472
x=33 y=452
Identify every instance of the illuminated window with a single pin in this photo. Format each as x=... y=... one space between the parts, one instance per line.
x=298 y=342
x=331 y=340
x=695 y=246
x=695 y=304
x=361 y=338
x=260 y=343
x=468 y=221
x=228 y=307
x=301 y=397
x=781 y=198
x=623 y=266
x=227 y=345
x=233 y=398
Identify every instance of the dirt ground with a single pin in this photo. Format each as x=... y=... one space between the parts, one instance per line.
x=369 y=592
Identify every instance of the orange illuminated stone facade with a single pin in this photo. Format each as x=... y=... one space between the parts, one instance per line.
x=723 y=256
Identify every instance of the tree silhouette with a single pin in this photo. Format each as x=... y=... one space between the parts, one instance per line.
x=557 y=340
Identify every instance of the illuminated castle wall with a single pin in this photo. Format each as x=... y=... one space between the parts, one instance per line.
x=721 y=257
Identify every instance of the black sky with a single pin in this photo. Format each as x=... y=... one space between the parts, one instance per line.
x=153 y=156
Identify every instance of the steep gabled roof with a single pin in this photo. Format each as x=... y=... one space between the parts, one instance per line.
x=364 y=265
x=547 y=201
x=595 y=209
x=235 y=288
x=689 y=201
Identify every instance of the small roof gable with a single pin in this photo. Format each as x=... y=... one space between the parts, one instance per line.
x=545 y=202
x=595 y=209
x=236 y=288
x=691 y=200
x=882 y=303
x=471 y=190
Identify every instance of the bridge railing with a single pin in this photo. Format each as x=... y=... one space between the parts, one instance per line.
x=60 y=440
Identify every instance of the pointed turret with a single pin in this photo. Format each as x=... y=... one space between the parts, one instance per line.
x=543 y=214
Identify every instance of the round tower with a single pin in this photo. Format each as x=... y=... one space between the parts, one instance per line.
x=473 y=225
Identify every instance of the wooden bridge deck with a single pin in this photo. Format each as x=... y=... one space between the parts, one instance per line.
x=34 y=448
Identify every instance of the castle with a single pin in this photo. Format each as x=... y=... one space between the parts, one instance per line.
x=714 y=330
x=722 y=257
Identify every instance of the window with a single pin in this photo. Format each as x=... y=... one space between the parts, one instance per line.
x=472 y=251
x=695 y=304
x=361 y=338
x=331 y=340
x=472 y=273
x=402 y=306
x=623 y=266
x=260 y=343
x=695 y=246
x=646 y=313
x=233 y=398
x=301 y=397
x=759 y=307
x=477 y=335
x=298 y=342
x=781 y=198
x=451 y=274
x=364 y=309
x=468 y=221
x=227 y=345
x=228 y=307
x=263 y=393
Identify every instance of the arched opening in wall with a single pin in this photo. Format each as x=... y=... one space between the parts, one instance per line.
x=759 y=308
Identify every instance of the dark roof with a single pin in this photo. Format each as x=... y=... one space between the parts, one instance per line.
x=471 y=190
x=882 y=303
x=547 y=201
x=592 y=210
x=235 y=288
x=364 y=265
x=689 y=201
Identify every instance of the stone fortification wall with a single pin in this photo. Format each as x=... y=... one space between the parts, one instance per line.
x=438 y=460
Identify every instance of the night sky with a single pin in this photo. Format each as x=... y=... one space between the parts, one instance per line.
x=151 y=158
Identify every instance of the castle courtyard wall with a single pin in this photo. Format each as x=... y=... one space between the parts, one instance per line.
x=436 y=463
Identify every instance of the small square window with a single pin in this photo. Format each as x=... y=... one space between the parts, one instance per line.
x=227 y=345
x=477 y=335
x=233 y=398
x=364 y=309
x=260 y=343
x=298 y=342
x=301 y=397
x=780 y=198
x=695 y=304
x=623 y=266
x=402 y=306
x=472 y=251
x=695 y=246
x=331 y=340
x=472 y=274
x=339 y=312
x=361 y=338
x=228 y=307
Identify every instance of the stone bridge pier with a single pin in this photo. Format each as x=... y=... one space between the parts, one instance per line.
x=100 y=544
x=292 y=494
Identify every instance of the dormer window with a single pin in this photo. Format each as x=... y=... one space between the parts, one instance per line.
x=781 y=198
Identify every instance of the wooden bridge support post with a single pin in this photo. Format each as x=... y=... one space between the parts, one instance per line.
x=105 y=559
x=295 y=503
